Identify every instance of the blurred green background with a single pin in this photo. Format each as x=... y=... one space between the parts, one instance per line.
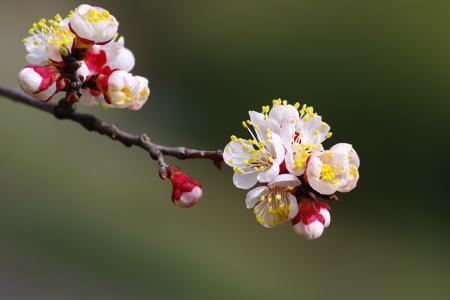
x=83 y=217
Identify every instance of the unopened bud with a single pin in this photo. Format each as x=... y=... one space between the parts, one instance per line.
x=123 y=90
x=40 y=82
x=313 y=217
x=186 y=190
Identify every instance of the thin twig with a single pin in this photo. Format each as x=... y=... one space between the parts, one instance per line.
x=92 y=123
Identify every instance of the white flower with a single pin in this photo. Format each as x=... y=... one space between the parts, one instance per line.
x=334 y=170
x=353 y=158
x=40 y=82
x=274 y=203
x=93 y=24
x=141 y=93
x=312 y=219
x=283 y=114
x=256 y=159
x=46 y=38
x=117 y=56
x=301 y=137
x=123 y=90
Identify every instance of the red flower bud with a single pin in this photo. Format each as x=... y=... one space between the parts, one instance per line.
x=40 y=82
x=312 y=218
x=186 y=190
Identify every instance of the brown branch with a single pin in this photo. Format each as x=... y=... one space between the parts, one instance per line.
x=64 y=111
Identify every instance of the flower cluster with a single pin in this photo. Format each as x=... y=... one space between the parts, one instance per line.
x=87 y=35
x=285 y=156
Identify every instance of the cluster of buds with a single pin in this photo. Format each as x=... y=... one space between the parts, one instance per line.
x=286 y=158
x=82 y=55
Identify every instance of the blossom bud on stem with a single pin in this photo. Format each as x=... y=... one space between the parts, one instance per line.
x=40 y=82
x=186 y=190
x=313 y=217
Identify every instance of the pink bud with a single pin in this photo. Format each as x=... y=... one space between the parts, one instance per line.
x=186 y=190
x=40 y=82
x=313 y=217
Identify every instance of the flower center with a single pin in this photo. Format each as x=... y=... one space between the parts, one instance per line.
x=275 y=208
x=256 y=157
x=128 y=95
x=94 y=15
x=50 y=31
x=327 y=172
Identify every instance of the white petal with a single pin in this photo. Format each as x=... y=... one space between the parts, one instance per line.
x=324 y=188
x=290 y=165
x=284 y=180
x=124 y=60
x=37 y=59
x=268 y=220
x=83 y=70
x=244 y=181
x=342 y=147
x=283 y=114
x=253 y=196
x=310 y=231
x=286 y=134
x=313 y=131
x=29 y=80
x=350 y=185
x=354 y=158
x=278 y=147
x=293 y=205
x=235 y=155
x=326 y=215
x=314 y=166
x=46 y=94
x=269 y=174
x=258 y=118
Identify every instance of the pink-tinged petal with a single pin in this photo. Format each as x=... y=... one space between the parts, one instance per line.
x=46 y=94
x=311 y=231
x=189 y=199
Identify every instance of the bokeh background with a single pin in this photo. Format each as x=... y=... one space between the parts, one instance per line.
x=82 y=217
